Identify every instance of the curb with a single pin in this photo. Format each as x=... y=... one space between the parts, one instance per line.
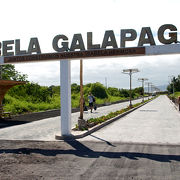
x=81 y=134
x=173 y=104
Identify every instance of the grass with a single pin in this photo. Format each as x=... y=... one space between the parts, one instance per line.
x=19 y=106
x=176 y=94
x=22 y=105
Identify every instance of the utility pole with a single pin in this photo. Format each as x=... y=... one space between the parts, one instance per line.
x=1 y=72
x=106 y=82
x=149 y=83
x=172 y=77
x=130 y=72
x=151 y=89
x=142 y=80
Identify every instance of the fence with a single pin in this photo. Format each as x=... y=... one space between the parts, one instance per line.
x=176 y=101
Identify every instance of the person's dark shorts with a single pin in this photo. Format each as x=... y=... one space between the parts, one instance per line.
x=91 y=104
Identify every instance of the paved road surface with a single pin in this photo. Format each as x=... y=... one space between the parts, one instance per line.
x=156 y=122
x=47 y=128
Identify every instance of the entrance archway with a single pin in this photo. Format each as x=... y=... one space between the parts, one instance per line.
x=65 y=72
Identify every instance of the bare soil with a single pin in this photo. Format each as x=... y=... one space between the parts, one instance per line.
x=35 y=160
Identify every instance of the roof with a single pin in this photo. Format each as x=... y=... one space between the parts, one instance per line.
x=10 y=82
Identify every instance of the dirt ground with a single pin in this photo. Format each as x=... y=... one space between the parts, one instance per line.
x=35 y=160
x=32 y=160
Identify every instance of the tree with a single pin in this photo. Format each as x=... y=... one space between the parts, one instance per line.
x=124 y=93
x=75 y=88
x=32 y=92
x=113 y=91
x=139 y=90
x=8 y=72
x=175 y=83
x=98 y=90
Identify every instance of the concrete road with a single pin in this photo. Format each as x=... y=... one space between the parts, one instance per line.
x=47 y=128
x=157 y=122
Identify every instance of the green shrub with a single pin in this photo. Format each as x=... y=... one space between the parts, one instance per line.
x=113 y=91
x=124 y=93
x=75 y=88
x=98 y=90
x=31 y=92
x=32 y=97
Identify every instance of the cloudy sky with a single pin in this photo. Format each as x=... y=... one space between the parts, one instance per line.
x=45 y=19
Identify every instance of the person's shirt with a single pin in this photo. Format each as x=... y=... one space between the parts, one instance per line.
x=90 y=97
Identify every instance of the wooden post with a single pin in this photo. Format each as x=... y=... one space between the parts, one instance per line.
x=130 y=93
x=1 y=71
x=81 y=122
x=81 y=89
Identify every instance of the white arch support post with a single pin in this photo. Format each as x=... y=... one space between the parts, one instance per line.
x=65 y=82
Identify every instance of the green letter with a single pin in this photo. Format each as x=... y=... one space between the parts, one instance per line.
x=17 y=48
x=6 y=48
x=90 y=44
x=77 y=43
x=34 y=46
x=172 y=35
x=64 y=44
x=124 y=38
x=112 y=42
x=143 y=40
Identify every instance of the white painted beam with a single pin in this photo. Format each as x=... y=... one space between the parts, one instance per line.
x=162 y=49
x=1 y=59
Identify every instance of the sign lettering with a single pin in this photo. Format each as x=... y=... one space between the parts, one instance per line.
x=60 y=43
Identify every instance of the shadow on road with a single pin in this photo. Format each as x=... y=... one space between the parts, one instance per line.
x=107 y=142
x=9 y=122
x=80 y=150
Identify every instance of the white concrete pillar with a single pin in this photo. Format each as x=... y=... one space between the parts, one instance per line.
x=65 y=76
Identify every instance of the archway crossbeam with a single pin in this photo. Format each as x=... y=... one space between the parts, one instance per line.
x=97 y=53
